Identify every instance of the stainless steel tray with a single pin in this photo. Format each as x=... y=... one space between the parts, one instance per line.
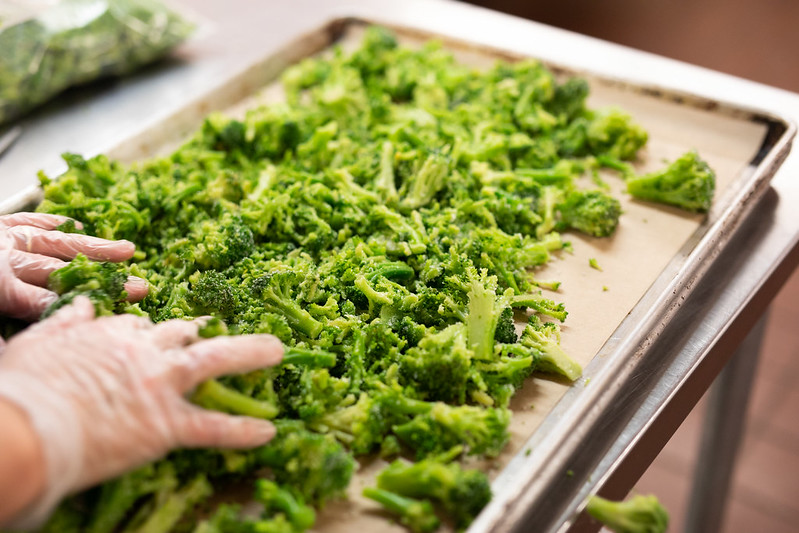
x=654 y=268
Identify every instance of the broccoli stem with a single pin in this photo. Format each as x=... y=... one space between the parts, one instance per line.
x=167 y=515
x=308 y=358
x=540 y=304
x=299 y=319
x=416 y=515
x=276 y=498
x=213 y=395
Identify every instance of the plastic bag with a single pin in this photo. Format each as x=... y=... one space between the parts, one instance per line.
x=46 y=47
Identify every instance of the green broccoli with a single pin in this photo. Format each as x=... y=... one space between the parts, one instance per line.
x=315 y=466
x=103 y=283
x=462 y=493
x=639 y=514
x=481 y=431
x=279 y=500
x=593 y=212
x=439 y=366
x=688 y=182
x=543 y=339
x=276 y=292
x=170 y=507
x=416 y=515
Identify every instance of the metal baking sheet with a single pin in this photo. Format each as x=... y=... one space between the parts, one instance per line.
x=657 y=256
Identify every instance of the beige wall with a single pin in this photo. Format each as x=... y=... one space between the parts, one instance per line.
x=754 y=39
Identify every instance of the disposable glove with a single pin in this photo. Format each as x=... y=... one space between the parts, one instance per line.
x=30 y=249
x=107 y=394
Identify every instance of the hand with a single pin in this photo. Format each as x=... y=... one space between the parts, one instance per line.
x=30 y=249
x=106 y=395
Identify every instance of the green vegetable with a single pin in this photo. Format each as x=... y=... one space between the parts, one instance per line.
x=102 y=283
x=76 y=41
x=688 y=183
x=384 y=222
x=639 y=514
x=416 y=515
x=461 y=492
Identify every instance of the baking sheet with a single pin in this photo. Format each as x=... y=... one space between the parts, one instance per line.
x=649 y=237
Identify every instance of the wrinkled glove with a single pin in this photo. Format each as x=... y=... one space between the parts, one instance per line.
x=106 y=395
x=30 y=250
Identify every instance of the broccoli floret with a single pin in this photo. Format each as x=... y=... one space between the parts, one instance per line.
x=416 y=515
x=544 y=340
x=423 y=186
x=688 y=183
x=276 y=291
x=481 y=431
x=541 y=305
x=506 y=374
x=211 y=293
x=279 y=500
x=439 y=367
x=506 y=328
x=118 y=497
x=360 y=426
x=314 y=465
x=592 y=212
x=614 y=133
x=220 y=243
x=171 y=507
x=639 y=514
x=483 y=313
x=103 y=283
x=462 y=493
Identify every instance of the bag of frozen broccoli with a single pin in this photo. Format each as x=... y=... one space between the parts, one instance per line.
x=48 y=46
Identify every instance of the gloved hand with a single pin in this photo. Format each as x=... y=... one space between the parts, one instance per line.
x=106 y=395
x=30 y=250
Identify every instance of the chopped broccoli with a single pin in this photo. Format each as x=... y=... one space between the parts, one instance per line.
x=275 y=290
x=639 y=514
x=593 y=212
x=103 y=283
x=279 y=500
x=416 y=515
x=481 y=431
x=543 y=339
x=688 y=183
x=314 y=465
x=384 y=222
x=462 y=493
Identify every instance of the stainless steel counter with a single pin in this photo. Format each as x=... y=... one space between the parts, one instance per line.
x=702 y=336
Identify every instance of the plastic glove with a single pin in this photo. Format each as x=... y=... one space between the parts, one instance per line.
x=106 y=395
x=30 y=250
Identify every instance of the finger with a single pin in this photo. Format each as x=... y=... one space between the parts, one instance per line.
x=199 y=428
x=214 y=357
x=39 y=220
x=68 y=245
x=24 y=301
x=33 y=268
x=136 y=288
x=176 y=333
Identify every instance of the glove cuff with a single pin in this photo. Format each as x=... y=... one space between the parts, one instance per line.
x=57 y=426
